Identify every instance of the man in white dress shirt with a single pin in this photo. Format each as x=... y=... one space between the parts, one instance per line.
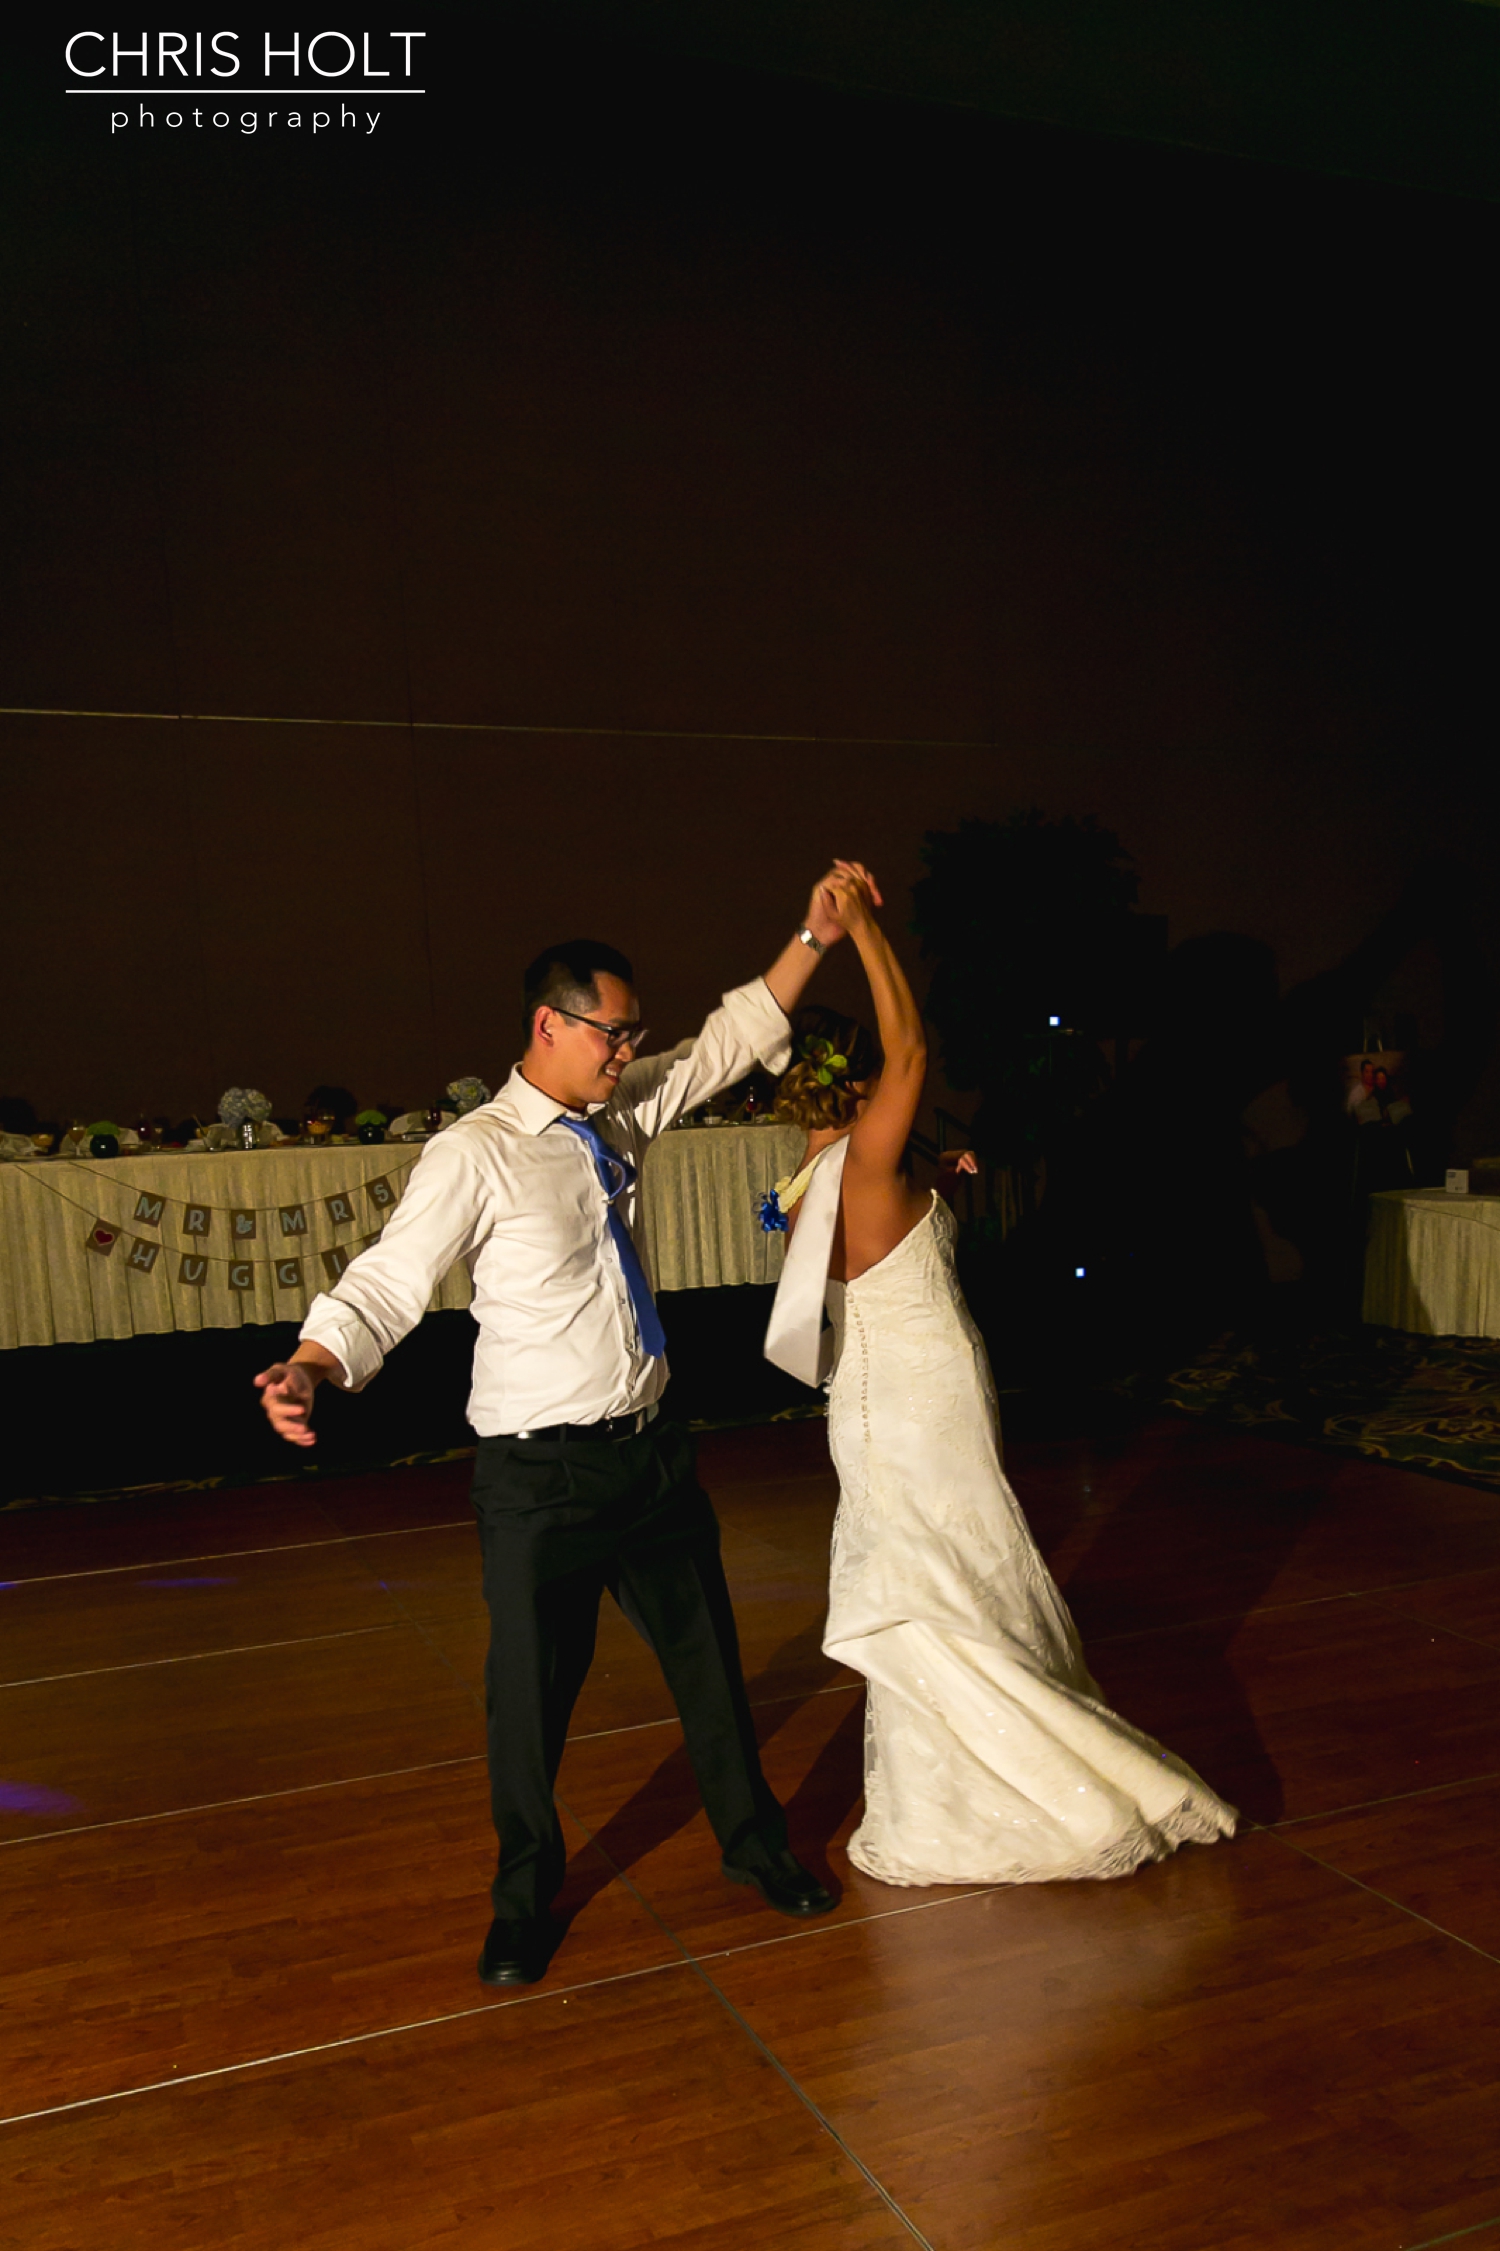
x=577 y=1483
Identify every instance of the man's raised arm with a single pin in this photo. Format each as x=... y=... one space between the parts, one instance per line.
x=749 y=1028
x=786 y=979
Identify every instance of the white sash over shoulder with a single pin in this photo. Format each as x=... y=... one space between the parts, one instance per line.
x=795 y=1337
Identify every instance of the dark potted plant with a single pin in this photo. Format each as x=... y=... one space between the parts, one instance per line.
x=1029 y=925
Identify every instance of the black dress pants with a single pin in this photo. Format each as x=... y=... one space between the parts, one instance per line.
x=560 y=1520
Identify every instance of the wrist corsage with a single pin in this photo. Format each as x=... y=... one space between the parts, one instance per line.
x=775 y=1207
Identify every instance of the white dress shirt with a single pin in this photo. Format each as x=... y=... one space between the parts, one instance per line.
x=517 y=1197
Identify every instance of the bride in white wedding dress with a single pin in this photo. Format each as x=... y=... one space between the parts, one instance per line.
x=990 y=1754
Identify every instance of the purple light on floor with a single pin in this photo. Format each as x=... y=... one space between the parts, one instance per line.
x=189 y=1582
x=29 y=1797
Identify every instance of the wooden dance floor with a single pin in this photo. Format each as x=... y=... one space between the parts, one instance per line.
x=245 y=1889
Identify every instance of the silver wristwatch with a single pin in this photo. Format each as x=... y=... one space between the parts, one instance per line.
x=813 y=945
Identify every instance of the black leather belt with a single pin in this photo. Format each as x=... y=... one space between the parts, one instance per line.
x=613 y=1426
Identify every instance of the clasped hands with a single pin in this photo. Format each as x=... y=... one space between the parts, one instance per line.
x=841 y=900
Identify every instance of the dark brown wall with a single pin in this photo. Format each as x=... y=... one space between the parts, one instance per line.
x=652 y=482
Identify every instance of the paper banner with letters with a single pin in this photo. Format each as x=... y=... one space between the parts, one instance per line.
x=148 y=1246
x=196 y=1266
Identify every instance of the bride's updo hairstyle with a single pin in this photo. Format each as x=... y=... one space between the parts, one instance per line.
x=831 y=1055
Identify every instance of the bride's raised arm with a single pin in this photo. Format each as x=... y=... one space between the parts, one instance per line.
x=878 y=1142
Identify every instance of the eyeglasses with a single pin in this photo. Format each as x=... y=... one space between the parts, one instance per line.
x=632 y=1036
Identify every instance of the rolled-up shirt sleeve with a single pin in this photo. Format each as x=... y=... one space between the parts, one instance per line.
x=382 y=1295
x=748 y=1027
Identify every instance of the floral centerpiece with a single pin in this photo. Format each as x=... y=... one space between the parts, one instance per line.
x=243 y=1105
x=468 y=1093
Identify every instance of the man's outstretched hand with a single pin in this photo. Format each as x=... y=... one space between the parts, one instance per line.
x=286 y=1392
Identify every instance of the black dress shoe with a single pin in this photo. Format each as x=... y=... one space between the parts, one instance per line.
x=517 y=1951
x=784 y=1884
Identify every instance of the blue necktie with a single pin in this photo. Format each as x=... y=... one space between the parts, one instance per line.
x=615 y=1175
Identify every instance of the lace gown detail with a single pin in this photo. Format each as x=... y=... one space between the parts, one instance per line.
x=990 y=1755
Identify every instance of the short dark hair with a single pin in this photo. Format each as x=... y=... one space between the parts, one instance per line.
x=564 y=977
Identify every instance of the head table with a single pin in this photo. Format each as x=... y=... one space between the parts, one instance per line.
x=143 y=1245
x=1432 y=1264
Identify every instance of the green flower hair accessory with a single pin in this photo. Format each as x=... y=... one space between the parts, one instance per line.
x=822 y=1054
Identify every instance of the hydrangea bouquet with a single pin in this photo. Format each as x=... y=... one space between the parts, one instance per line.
x=243 y=1105
x=468 y=1093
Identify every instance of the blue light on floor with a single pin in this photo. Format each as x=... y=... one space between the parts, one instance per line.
x=1078 y=1273
x=27 y=1797
x=1055 y=1023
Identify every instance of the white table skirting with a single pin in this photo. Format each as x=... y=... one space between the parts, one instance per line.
x=1432 y=1264
x=163 y=1269
x=699 y=1221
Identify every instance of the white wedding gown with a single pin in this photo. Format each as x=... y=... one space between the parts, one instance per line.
x=990 y=1756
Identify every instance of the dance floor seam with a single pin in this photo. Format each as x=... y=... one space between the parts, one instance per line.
x=1204 y=1619
x=201 y=1656
x=1367 y=1805
x=747 y=2030
x=1237 y=2048
x=1401 y=1906
x=351 y=2040
x=255 y=1797
x=816 y=2110
x=1436 y=2242
x=757 y=1704
x=352 y=1781
x=233 y=1555
x=1416 y=1617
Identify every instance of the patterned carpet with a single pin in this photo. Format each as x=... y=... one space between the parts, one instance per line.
x=1424 y=1403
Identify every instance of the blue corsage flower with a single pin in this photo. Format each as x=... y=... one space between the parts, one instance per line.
x=772 y=1217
